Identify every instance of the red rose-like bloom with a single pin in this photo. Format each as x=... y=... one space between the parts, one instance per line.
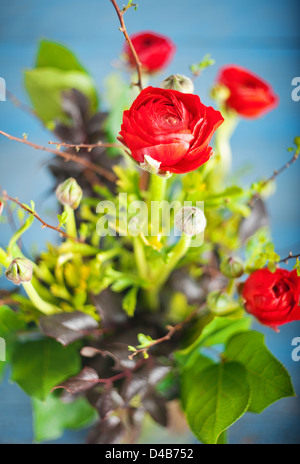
x=154 y=51
x=249 y=95
x=273 y=298
x=171 y=127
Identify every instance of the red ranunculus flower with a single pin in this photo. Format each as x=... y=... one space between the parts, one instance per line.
x=273 y=298
x=169 y=128
x=154 y=50
x=249 y=95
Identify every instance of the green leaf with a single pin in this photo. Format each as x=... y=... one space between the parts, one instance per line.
x=9 y=322
x=217 y=332
x=54 y=55
x=45 y=86
x=269 y=381
x=144 y=340
x=191 y=374
x=38 y=366
x=129 y=301
x=206 y=61
x=53 y=416
x=217 y=400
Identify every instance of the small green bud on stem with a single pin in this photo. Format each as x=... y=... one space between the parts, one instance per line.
x=69 y=193
x=178 y=82
x=19 y=271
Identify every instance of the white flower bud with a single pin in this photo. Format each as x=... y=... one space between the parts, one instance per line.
x=190 y=220
x=178 y=82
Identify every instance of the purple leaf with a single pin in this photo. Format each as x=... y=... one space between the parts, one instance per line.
x=68 y=327
x=85 y=380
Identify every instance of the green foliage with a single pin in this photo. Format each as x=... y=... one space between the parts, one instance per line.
x=119 y=95
x=206 y=62
x=129 y=301
x=45 y=87
x=10 y=322
x=268 y=379
x=216 y=332
x=53 y=416
x=57 y=70
x=297 y=266
x=217 y=398
x=50 y=363
x=54 y=55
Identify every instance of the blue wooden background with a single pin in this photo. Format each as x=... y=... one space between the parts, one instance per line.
x=262 y=35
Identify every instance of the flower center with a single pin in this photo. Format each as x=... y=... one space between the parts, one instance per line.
x=280 y=288
x=172 y=120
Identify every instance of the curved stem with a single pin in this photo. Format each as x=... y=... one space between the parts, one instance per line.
x=38 y=302
x=71 y=223
x=174 y=257
x=223 y=149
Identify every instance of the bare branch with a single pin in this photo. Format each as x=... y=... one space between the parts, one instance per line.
x=44 y=224
x=138 y=64
x=85 y=145
x=67 y=156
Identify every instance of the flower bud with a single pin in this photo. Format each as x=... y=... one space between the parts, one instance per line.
x=69 y=193
x=19 y=271
x=151 y=165
x=178 y=82
x=232 y=267
x=1 y=207
x=190 y=220
x=221 y=304
x=220 y=93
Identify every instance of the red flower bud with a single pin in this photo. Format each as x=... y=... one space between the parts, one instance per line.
x=273 y=298
x=249 y=95
x=154 y=51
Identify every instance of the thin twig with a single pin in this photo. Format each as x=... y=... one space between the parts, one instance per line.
x=169 y=335
x=44 y=224
x=15 y=101
x=85 y=145
x=67 y=156
x=290 y=256
x=138 y=64
x=275 y=174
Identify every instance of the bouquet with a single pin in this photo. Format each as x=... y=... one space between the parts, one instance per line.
x=143 y=306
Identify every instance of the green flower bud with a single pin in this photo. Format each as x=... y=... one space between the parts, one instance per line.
x=232 y=267
x=178 y=82
x=190 y=220
x=221 y=304
x=19 y=271
x=220 y=93
x=69 y=193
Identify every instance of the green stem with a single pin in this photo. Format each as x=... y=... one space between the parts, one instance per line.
x=140 y=258
x=222 y=148
x=174 y=257
x=71 y=223
x=38 y=302
x=157 y=191
x=158 y=187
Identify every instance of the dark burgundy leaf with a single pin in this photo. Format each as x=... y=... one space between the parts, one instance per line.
x=109 y=431
x=68 y=327
x=109 y=307
x=156 y=406
x=85 y=380
x=108 y=401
